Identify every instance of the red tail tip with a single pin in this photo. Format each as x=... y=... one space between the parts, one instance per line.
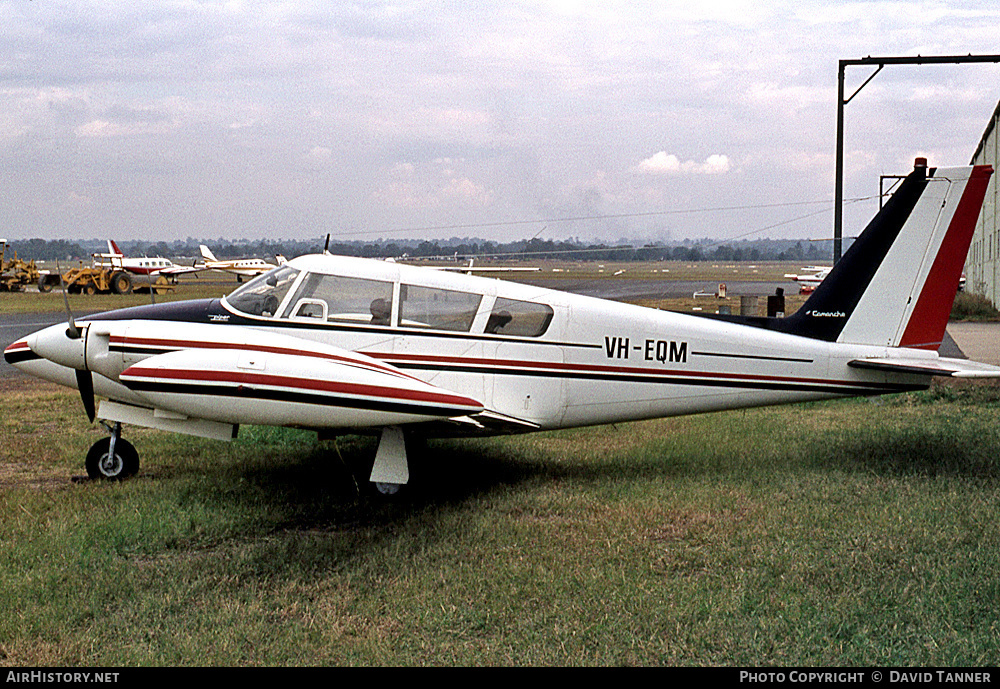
x=920 y=162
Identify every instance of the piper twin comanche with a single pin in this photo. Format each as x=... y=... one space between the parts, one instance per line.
x=345 y=345
x=144 y=265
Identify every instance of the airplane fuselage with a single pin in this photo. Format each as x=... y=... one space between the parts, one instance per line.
x=137 y=266
x=340 y=344
x=248 y=267
x=558 y=360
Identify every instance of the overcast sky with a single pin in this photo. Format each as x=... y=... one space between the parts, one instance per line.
x=502 y=120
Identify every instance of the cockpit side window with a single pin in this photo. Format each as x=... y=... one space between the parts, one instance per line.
x=262 y=295
x=523 y=318
x=348 y=300
x=440 y=309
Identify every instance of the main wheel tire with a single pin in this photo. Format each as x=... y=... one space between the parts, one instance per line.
x=100 y=465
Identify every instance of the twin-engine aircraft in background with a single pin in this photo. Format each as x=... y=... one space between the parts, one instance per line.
x=144 y=265
x=241 y=267
x=342 y=345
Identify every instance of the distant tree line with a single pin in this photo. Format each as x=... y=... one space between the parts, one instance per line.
x=46 y=250
x=460 y=248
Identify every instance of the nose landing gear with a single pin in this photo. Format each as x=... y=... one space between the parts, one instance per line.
x=113 y=458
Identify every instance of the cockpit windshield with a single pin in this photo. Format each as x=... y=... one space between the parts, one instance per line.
x=262 y=295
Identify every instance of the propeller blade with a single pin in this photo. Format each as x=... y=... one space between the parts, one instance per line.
x=72 y=332
x=85 y=383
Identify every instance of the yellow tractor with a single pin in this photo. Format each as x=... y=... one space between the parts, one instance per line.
x=94 y=280
x=107 y=275
x=16 y=274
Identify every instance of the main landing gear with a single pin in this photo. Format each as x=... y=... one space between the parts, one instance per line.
x=391 y=470
x=113 y=458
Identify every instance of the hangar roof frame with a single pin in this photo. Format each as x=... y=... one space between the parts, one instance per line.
x=880 y=62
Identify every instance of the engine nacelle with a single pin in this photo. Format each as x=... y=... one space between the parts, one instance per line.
x=267 y=388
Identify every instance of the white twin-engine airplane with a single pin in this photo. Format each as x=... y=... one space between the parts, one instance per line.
x=144 y=265
x=342 y=345
x=241 y=267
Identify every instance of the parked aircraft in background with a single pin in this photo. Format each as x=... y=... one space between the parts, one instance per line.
x=472 y=268
x=347 y=345
x=144 y=265
x=242 y=267
x=811 y=278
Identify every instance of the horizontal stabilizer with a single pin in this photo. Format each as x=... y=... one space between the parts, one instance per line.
x=954 y=368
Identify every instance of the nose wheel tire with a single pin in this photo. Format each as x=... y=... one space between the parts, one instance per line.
x=101 y=465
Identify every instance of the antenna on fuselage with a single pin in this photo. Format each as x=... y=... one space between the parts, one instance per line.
x=326 y=247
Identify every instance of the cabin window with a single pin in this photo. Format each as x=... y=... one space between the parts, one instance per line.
x=523 y=318
x=440 y=309
x=310 y=308
x=347 y=300
x=262 y=295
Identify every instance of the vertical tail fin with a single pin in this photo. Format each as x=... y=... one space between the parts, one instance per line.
x=896 y=284
x=206 y=253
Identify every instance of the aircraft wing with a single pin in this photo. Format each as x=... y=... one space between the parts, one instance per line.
x=954 y=368
x=182 y=270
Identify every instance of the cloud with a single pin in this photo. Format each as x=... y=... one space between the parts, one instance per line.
x=398 y=114
x=319 y=154
x=664 y=163
x=434 y=185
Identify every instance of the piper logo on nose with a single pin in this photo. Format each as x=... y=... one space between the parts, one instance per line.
x=826 y=314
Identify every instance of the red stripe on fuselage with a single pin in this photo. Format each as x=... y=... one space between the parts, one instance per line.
x=496 y=366
x=929 y=318
x=309 y=384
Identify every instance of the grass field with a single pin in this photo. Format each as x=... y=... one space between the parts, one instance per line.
x=841 y=533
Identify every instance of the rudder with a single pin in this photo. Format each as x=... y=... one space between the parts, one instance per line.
x=896 y=284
